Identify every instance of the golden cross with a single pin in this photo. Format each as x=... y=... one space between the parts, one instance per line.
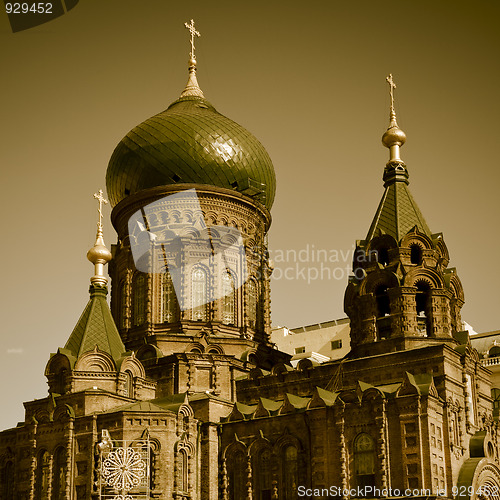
x=392 y=86
x=193 y=32
x=100 y=197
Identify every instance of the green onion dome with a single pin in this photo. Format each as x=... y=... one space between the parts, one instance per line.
x=190 y=142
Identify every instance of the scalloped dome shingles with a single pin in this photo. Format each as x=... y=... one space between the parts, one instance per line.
x=190 y=142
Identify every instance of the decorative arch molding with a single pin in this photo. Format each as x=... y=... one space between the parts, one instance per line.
x=42 y=416
x=185 y=444
x=58 y=362
x=132 y=364
x=63 y=412
x=305 y=364
x=351 y=294
x=279 y=369
x=478 y=475
x=258 y=444
x=382 y=241
x=222 y=219
x=455 y=285
x=189 y=232
x=211 y=218
x=376 y=279
x=95 y=361
x=431 y=277
x=195 y=347
x=148 y=351
x=234 y=447
x=372 y=394
x=214 y=349
x=415 y=237
x=287 y=439
x=185 y=410
x=255 y=373
x=441 y=248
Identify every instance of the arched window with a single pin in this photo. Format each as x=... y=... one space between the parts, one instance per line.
x=263 y=475
x=494 y=351
x=129 y=384
x=364 y=460
x=8 y=481
x=237 y=475
x=383 y=304
x=139 y=300
x=182 y=477
x=228 y=299
x=59 y=475
x=42 y=476
x=199 y=295
x=415 y=254
x=252 y=292
x=383 y=256
x=290 y=473
x=168 y=299
x=383 y=310
x=60 y=383
x=422 y=300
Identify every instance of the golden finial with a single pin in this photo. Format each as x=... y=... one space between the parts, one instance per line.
x=100 y=198
x=193 y=33
x=99 y=255
x=192 y=87
x=394 y=137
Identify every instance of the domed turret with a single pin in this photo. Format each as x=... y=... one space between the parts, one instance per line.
x=190 y=142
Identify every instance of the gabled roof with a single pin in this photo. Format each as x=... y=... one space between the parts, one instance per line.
x=96 y=327
x=397 y=213
x=139 y=406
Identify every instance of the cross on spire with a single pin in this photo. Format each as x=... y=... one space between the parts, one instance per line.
x=392 y=86
x=193 y=32
x=102 y=200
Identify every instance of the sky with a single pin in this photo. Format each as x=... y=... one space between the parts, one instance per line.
x=308 y=80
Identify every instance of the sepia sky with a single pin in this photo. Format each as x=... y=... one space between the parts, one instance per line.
x=308 y=80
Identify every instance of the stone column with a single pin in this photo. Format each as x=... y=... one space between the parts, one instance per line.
x=69 y=458
x=33 y=462
x=381 y=424
x=249 y=478
x=210 y=463
x=224 y=481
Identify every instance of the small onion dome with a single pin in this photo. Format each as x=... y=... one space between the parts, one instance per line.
x=190 y=142
x=393 y=136
x=99 y=254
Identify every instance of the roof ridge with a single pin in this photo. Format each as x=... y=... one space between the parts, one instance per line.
x=96 y=327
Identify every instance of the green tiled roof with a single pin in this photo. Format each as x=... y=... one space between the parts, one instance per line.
x=190 y=142
x=96 y=327
x=140 y=406
x=397 y=213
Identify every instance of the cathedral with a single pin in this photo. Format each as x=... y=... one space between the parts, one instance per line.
x=174 y=389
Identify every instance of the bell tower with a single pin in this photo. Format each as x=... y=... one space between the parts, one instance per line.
x=402 y=293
